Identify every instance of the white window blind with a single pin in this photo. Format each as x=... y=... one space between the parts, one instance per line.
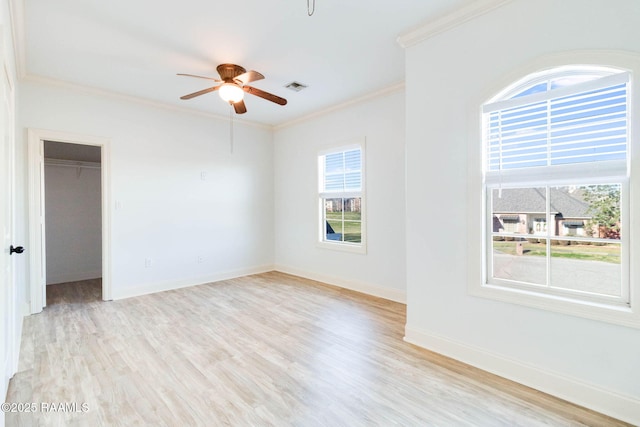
x=342 y=172
x=582 y=123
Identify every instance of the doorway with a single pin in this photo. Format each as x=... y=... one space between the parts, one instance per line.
x=73 y=226
x=65 y=173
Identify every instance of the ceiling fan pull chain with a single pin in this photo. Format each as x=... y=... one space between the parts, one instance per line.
x=311 y=7
x=231 y=127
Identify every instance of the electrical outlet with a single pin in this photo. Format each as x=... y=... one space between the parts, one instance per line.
x=148 y=262
x=200 y=259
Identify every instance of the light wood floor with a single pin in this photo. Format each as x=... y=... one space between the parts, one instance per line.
x=263 y=350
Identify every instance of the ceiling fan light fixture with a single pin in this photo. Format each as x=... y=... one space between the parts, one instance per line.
x=234 y=81
x=231 y=92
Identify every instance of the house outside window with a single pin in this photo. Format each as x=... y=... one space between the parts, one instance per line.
x=341 y=198
x=556 y=185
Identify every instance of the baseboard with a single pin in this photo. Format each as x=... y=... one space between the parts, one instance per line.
x=613 y=404
x=171 y=285
x=53 y=278
x=365 y=288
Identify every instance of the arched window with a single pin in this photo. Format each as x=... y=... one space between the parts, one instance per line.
x=555 y=157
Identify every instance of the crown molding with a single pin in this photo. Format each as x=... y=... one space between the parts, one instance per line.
x=134 y=99
x=448 y=21
x=379 y=93
x=156 y=104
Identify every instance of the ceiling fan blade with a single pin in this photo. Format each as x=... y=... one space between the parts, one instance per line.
x=200 y=92
x=240 y=107
x=248 y=77
x=200 y=77
x=266 y=95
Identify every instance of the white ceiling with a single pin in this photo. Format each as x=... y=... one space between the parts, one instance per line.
x=346 y=50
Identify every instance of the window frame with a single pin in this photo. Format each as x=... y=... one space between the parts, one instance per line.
x=556 y=292
x=321 y=242
x=628 y=315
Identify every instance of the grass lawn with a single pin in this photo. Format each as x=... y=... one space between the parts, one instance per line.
x=606 y=253
x=352 y=231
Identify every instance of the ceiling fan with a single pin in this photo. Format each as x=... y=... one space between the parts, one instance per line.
x=234 y=79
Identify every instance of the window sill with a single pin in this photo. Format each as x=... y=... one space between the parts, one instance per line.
x=616 y=314
x=343 y=247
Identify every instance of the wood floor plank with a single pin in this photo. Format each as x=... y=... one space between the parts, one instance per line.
x=263 y=350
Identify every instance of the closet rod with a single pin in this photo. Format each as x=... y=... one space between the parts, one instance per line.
x=71 y=164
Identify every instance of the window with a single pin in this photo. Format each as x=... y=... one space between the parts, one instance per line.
x=556 y=186
x=341 y=198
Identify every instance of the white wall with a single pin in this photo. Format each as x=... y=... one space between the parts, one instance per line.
x=166 y=210
x=448 y=77
x=73 y=223
x=381 y=270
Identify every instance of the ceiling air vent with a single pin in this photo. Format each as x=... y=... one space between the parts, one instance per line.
x=295 y=86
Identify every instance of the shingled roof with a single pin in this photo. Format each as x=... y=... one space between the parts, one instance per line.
x=532 y=200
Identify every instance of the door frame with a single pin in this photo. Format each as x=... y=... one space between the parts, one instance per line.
x=37 y=234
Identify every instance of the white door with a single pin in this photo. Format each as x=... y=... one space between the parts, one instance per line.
x=8 y=295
